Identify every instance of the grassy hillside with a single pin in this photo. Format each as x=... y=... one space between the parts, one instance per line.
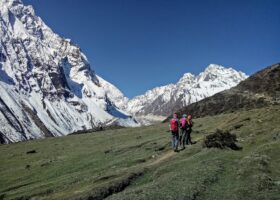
x=137 y=163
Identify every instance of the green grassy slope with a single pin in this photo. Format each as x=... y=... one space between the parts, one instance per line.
x=138 y=164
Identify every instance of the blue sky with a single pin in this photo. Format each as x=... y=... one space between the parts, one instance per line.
x=140 y=44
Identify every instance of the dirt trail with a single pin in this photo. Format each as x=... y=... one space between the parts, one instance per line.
x=161 y=159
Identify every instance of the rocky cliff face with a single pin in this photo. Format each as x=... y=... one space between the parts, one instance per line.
x=47 y=86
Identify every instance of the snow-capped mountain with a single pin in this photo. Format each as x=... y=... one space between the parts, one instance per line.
x=47 y=87
x=161 y=101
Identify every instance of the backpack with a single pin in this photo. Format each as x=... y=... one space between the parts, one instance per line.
x=174 y=125
x=183 y=122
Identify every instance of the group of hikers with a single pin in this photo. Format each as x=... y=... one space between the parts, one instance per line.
x=181 y=131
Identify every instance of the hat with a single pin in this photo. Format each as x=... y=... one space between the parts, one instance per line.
x=184 y=115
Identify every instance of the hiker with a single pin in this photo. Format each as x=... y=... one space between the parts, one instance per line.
x=189 y=130
x=183 y=131
x=174 y=128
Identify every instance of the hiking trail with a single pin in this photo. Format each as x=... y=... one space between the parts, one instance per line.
x=161 y=159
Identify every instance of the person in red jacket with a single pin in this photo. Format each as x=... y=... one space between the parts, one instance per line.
x=174 y=128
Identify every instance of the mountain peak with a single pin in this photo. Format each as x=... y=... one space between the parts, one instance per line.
x=9 y=3
x=214 y=67
x=188 y=75
x=186 y=78
x=215 y=72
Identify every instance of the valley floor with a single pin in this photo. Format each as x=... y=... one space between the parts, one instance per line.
x=137 y=163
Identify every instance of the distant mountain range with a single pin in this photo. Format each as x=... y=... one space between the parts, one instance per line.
x=48 y=88
x=161 y=101
x=259 y=90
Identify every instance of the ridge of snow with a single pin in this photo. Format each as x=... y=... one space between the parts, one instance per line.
x=189 y=89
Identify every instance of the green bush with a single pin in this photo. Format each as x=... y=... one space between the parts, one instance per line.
x=221 y=139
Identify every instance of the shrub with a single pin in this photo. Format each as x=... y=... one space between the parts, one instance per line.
x=221 y=139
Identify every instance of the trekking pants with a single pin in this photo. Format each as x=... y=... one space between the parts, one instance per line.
x=188 y=136
x=183 y=137
x=175 y=139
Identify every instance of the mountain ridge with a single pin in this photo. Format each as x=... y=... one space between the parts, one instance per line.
x=163 y=100
x=259 y=90
x=46 y=82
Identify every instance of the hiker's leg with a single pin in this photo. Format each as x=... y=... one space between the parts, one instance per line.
x=183 y=142
x=187 y=137
x=173 y=141
x=190 y=137
x=180 y=137
x=177 y=140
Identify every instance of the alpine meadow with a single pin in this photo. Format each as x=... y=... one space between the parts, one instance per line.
x=71 y=130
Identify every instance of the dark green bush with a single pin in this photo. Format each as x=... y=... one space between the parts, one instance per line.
x=221 y=139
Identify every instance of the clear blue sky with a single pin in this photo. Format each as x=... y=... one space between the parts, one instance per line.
x=140 y=44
